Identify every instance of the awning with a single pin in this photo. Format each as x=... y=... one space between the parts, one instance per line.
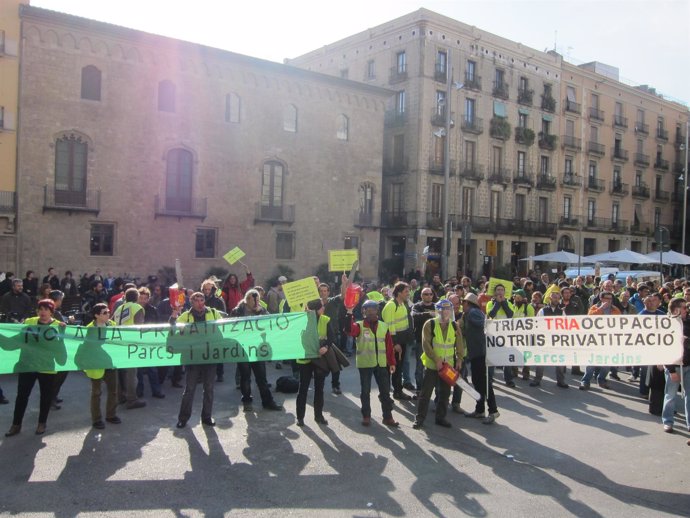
x=523 y=111
x=499 y=109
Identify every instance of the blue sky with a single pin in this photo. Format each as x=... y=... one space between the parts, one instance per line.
x=648 y=40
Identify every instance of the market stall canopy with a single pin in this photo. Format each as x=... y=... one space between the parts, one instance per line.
x=557 y=257
x=621 y=256
x=670 y=257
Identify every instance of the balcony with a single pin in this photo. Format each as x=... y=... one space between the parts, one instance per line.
x=678 y=168
x=500 y=90
x=594 y=148
x=499 y=128
x=641 y=159
x=473 y=125
x=88 y=200
x=180 y=207
x=434 y=221
x=395 y=118
x=641 y=128
x=640 y=191
x=620 y=154
x=594 y=184
x=594 y=223
x=680 y=138
x=271 y=214
x=568 y=222
x=514 y=226
x=662 y=195
x=437 y=166
x=367 y=219
x=441 y=72
x=8 y=201
x=499 y=175
x=524 y=136
x=661 y=165
x=662 y=134
x=619 y=188
x=397 y=74
x=546 y=182
x=472 y=172
x=525 y=96
x=548 y=142
x=596 y=115
x=640 y=228
x=397 y=219
x=396 y=167
x=548 y=103
x=620 y=122
x=571 y=180
x=572 y=106
x=524 y=178
x=438 y=116
x=570 y=142
x=473 y=82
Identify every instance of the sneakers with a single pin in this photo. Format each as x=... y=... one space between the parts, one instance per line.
x=209 y=421
x=668 y=428
x=584 y=386
x=475 y=414
x=491 y=418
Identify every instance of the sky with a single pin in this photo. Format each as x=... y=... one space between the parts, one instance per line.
x=647 y=40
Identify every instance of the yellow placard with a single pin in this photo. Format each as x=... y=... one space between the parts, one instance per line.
x=342 y=260
x=493 y=282
x=298 y=293
x=234 y=255
x=491 y=248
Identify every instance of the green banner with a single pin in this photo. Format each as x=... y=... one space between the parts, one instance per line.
x=38 y=348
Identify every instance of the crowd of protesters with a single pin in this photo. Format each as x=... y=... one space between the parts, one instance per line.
x=421 y=324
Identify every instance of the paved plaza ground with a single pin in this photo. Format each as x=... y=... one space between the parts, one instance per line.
x=552 y=452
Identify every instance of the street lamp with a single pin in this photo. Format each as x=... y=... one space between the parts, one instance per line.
x=685 y=186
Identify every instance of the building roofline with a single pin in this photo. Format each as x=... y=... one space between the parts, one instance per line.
x=145 y=38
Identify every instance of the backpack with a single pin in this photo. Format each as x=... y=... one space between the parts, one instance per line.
x=287 y=385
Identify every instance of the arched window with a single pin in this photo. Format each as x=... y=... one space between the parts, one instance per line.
x=272 y=190
x=166 y=96
x=91 y=83
x=290 y=118
x=71 y=154
x=343 y=127
x=232 y=108
x=178 y=181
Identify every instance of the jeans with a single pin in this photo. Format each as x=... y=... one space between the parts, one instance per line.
x=601 y=373
x=383 y=381
x=397 y=375
x=152 y=373
x=259 y=370
x=306 y=371
x=205 y=374
x=671 y=395
x=478 y=369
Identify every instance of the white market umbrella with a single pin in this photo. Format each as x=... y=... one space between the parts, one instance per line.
x=621 y=256
x=670 y=257
x=557 y=257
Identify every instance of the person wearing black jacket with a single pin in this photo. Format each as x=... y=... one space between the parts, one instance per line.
x=421 y=312
x=212 y=300
x=676 y=374
x=15 y=305
x=31 y=285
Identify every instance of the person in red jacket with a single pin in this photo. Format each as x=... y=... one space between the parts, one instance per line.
x=233 y=290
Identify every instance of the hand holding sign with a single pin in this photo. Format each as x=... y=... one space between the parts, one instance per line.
x=342 y=260
x=298 y=293
x=234 y=256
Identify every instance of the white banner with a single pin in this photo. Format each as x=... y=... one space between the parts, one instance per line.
x=619 y=340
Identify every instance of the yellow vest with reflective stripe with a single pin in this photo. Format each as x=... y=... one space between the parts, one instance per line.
x=395 y=317
x=322 y=328
x=444 y=348
x=124 y=314
x=188 y=318
x=371 y=348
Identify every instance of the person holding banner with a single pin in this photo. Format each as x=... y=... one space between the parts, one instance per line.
x=443 y=344
x=399 y=323
x=375 y=357
x=473 y=320
x=250 y=307
x=498 y=308
x=129 y=313
x=678 y=375
x=603 y=307
x=553 y=309
x=195 y=373
x=46 y=378
x=309 y=369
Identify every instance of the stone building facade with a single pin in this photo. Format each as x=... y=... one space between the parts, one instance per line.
x=516 y=155
x=135 y=150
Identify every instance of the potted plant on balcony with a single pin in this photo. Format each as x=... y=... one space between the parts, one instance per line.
x=524 y=136
x=548 y=103
x=500 y=128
